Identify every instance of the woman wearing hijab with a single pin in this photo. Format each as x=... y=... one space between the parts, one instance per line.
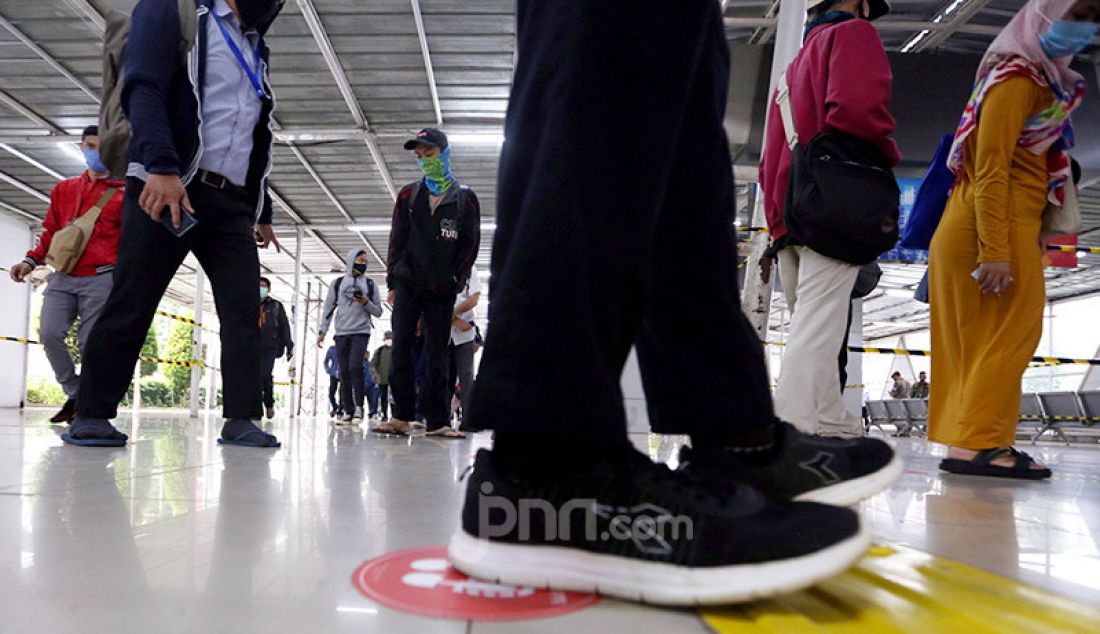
x=985 y=268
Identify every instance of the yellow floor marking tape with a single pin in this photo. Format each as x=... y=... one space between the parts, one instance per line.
x=902 y=590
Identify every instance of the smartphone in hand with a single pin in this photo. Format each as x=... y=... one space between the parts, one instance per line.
x=187 y=222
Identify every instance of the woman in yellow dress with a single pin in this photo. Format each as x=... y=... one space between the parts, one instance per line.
x=985 y=268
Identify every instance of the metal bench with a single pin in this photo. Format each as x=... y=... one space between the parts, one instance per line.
x=899 y=416
x=877 y=416
x=1060 y=410
x=917 y=409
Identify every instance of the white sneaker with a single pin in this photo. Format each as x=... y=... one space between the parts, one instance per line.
x=358 y=417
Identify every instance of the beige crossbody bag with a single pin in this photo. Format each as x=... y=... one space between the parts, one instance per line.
x=68 y=244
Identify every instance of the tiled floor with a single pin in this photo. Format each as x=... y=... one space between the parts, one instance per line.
x=176 y=534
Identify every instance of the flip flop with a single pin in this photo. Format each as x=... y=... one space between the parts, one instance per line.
x=389 y=430
x=94 y=442
x=446 y=432
x=240 y=441
x=980 y=465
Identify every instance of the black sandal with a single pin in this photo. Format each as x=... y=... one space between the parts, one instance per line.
x=980 y=465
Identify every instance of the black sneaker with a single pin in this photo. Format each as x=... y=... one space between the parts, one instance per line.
x=637 y=530
x=803 y=467
x=67 y=413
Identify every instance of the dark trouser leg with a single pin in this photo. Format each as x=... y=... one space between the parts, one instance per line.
x=372 y=397
x=384 y=400
x=267 y=381
x=702 y=364
x=224 y=244
x=580 y=192
x=357 y=348
x=333 y=387
x=463 y=356
x=148 y=257
x=437 y=332
x=406 y=312
x=343 y=358
x=842 y=358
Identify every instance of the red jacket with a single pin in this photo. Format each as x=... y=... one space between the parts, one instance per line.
x=840 y=80
x=71 y=198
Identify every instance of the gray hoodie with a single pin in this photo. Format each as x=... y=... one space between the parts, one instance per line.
x=352 y=318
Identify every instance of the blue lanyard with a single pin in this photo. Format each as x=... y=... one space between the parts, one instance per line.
x=253 y=76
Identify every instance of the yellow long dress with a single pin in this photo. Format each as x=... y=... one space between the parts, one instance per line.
x=981 y=344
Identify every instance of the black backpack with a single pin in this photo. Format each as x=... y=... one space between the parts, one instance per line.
x=842 y=197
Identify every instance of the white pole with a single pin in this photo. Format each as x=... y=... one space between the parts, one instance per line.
x=757 y=298
x=211 y=397
x=137 y=387
x=196 y=342
x=295 y=392
x=317 y=350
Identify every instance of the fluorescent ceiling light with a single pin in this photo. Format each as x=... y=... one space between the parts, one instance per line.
x=384 y=227
x=911 y=44
x=71 y=150
x=474 y=138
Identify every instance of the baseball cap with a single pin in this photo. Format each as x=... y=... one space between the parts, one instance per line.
x=876 y=8
x=428 y=136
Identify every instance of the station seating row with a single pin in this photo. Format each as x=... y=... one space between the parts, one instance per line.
x=1055 y=412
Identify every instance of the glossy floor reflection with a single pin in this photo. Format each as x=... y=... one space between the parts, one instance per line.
x=178 y=534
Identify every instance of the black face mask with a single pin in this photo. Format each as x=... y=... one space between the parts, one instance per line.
x=258 y=14
x=359 y=268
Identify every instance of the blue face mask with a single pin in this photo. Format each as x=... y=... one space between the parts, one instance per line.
x=1067 y=38
x=91 y=157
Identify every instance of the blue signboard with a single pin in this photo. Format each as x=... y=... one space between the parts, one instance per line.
x=908 y=187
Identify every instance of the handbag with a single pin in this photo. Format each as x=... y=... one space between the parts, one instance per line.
x=842 y=198
x=69 y=243
x=1064 y=220
x=935 y=189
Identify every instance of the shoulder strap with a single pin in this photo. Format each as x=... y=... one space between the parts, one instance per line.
x=336 y=292
x=413 y=193
x=93 y=213
x=189 y=25
x=783 y=100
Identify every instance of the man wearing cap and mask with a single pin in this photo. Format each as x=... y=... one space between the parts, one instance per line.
x=82 y=291
x=839 y=81
x=200 y=150
x=434 y=241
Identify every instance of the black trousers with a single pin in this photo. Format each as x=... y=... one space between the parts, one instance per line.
x=333 y=390
x=384 y=400
x=148 y=257
x=615 y=229
x=267 y=380
x=462 y=372
x=434 y=315
x=350 y=350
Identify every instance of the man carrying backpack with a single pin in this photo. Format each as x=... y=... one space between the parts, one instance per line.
x=196 y=94
x=275 y=341
x=82 y=290
x=434 y=241
x=353 y=299
x=380 y=369
x=840 y=82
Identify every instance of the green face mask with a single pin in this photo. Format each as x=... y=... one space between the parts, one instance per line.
x=263 y=292
x=437 y=171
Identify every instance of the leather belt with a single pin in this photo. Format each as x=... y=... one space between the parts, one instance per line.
x=219 y=182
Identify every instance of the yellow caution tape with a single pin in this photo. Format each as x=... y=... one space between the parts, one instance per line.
x=286 y=382
x=903 y=590
x=21 y=340
x=753 y=229
x=1070 y=249
x=186 y=320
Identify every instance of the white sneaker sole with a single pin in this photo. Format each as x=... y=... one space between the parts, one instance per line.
x=852 y=492
x=562 y=568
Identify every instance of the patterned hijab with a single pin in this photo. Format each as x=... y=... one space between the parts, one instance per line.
x=1016 y=52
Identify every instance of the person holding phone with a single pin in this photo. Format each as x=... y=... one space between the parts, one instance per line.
x=200 y=153
x=349 y=305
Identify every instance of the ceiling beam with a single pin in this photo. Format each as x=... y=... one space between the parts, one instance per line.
x=46 y=57
x=765 y=32
x=23 y=215
x=328 y=53
x=30 y=161
x=90 y=15
x=423 y=36
x=18 y=184
x=297 y=218
x=887 y=26
x=952 y=22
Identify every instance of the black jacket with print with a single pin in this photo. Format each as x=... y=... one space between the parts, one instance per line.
x=431 y=254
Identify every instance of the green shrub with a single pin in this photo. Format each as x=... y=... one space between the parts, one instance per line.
x=43 y=391
x=179 y=349
x=151 y=350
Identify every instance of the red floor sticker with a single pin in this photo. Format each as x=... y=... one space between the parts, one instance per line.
x=421 y=581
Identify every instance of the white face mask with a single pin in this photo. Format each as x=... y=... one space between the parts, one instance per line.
x=389 y=343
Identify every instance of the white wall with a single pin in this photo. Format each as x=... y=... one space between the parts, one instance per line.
x=15 y=238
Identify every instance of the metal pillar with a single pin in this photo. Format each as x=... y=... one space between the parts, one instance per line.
x=295 y=392
x=317 y=351
x=196 y=342
x=299 y=377
x=136 y=401
x=757 y=299
x=212 y=381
